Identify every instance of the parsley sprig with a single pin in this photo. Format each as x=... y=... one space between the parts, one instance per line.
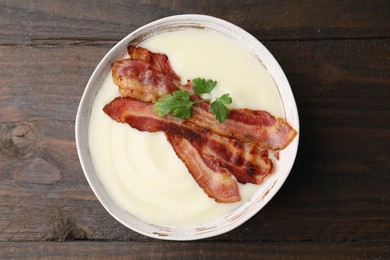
x=179 y=104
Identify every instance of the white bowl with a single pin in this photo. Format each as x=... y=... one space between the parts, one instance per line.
x=268 y=189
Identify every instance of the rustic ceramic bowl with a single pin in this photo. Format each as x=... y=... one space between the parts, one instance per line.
x=268 y=188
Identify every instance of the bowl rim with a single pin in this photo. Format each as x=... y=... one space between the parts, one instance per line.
x=240 y=215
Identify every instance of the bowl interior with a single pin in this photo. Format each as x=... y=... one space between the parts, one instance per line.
x=267 y=190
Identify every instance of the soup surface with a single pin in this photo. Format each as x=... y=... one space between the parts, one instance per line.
x=140 y=170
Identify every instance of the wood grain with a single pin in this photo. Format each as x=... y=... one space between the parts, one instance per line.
x=335 y=190
x=336 y=201
x=80 y=22
x=195 y=250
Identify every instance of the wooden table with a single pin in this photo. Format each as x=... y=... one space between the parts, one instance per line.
x=334 y=204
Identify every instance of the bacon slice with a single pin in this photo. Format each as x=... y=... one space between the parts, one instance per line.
x=138 y=79
x=216 y=182
x=247 y=125
x=246 y=161
x=149 y=76
x=157 y=61
x=212 y=152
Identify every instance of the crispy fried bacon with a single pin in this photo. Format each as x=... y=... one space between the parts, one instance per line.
x=157 y=61
x=149 y=76
x=216 y=182
x=247 y=125
x=212 y=152
x=138 y=79
x=246 y=161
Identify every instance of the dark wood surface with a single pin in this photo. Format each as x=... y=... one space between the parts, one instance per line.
x=336 y=201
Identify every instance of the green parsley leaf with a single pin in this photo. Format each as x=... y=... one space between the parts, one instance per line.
x=179 y=104
x=225 y=99
x=201 y=86
x=219 y=108
x=181 y=95
x=176 y=104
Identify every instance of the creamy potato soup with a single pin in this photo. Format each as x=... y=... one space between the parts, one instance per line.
x=140 y=170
